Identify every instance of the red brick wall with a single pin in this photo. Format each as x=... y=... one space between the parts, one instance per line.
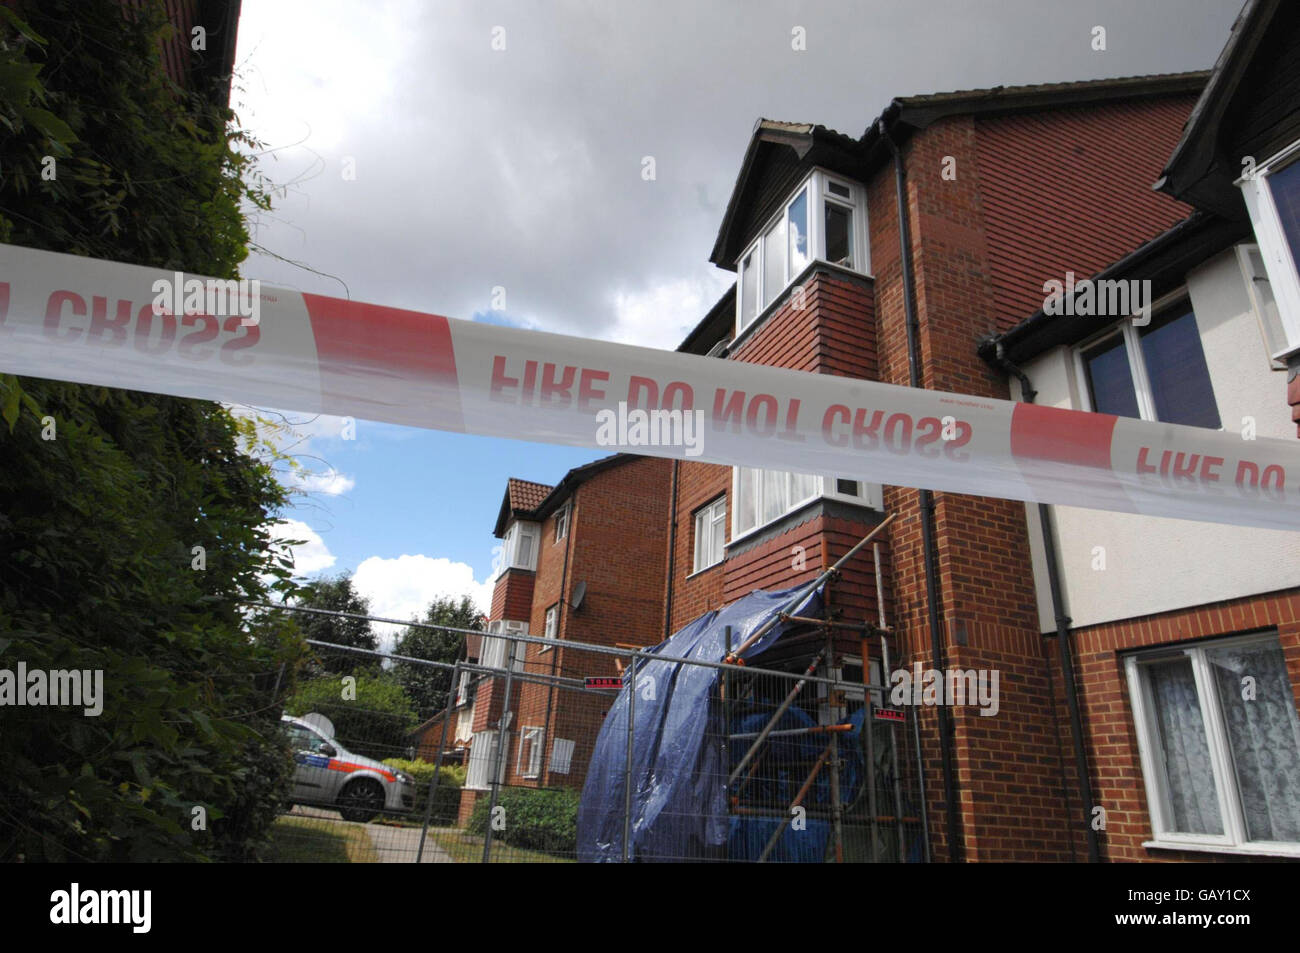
x=1071 y=190
x=1108 y=713
x=1025 y=206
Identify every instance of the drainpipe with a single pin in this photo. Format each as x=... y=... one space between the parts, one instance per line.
x=925 y=500
x=1063 y=622
x=672 y=555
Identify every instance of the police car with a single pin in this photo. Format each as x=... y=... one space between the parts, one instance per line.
x=328 y=775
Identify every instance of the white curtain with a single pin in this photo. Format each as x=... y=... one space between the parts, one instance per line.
x=1188 y=772
x=1264 y=734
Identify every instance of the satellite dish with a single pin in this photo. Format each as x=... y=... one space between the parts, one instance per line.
x=579 y=593
x=320 y=723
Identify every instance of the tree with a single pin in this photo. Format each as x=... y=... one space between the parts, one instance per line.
x=428 y=686
x=101 y=516
x=337 y=594
x=371 y=716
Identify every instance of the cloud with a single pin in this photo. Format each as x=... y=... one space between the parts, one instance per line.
x=309 y=557
x=329 y=482
x=402 y=588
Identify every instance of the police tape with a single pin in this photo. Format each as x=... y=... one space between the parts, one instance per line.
x=99 y=322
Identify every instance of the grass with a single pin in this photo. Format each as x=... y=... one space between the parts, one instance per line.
x=468 y=849
x=315 y=840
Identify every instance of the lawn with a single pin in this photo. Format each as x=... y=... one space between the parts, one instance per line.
x=468 y=849
x=320 y=841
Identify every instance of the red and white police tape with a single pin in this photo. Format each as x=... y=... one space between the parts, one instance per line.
x=95 y=322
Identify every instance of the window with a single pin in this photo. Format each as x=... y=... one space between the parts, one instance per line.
x=496 y=650
x=528 y=762
x=562 y=523
x=1272 y=194
x=823 y=219
x=561 y=756
x=1219 y=741
x=710 y=534
x=763 y=496
x=1154 y=372
x=519 y=548
x=464 y=690
x=1262 y=302
x=482 y=756
x=552 y=624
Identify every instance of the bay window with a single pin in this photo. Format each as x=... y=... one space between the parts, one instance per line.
x=1272 y=195
x=761 y=497
x=823 y=219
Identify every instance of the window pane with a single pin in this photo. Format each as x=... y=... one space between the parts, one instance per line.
x=1285 y=186
x=776 y=494
x=797 y=226
x=773 y=262
x=1189 y=777
x=1175 y=363
x=836 y=188
x=1264 y=735
x=846 y=487
x=802 y=487
x=1110 y=379
x=746 y=499
x=748 y=290
x=701 y=540
x=839 y=235
x=719 y=530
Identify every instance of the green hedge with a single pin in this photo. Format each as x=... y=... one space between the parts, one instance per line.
x=544 y=819
x=446 y=803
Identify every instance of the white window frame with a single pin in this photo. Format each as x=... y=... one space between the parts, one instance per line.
x=1136 y=363
x=707 y=523
x=495 y=650
x=532 y=736
x=562 y=522
x=482 y=751
x=513 y=540
x=551 y=626
x=1279 y=257
x=869 y=495
x=462 y=688
x=561 y=760
x=1259 y=289
x=817 y=187
x=1234 y=839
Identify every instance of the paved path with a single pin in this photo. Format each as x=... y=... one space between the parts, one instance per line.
x=399 y=845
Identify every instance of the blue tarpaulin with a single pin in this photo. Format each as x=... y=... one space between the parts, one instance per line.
x=678 y=780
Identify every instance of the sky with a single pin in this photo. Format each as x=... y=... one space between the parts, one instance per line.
x=451 y=156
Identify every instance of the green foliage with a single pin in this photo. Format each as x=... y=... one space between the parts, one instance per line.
x=337 y=595
x=544 y=819
x=376 y=723
x=446 y=801
x=97 y=526
x=428 y=686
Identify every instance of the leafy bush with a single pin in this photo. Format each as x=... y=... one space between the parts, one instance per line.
x=446 y=801
x=375 y=724
x=98 y=525
x=544 y=819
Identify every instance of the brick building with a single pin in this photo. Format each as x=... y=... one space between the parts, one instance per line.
x=580 y=561
x=919 y=254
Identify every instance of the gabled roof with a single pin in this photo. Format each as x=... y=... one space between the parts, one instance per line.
x=522 y=497
x=1197 y=171
x=780 y=153
x=536 y=501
